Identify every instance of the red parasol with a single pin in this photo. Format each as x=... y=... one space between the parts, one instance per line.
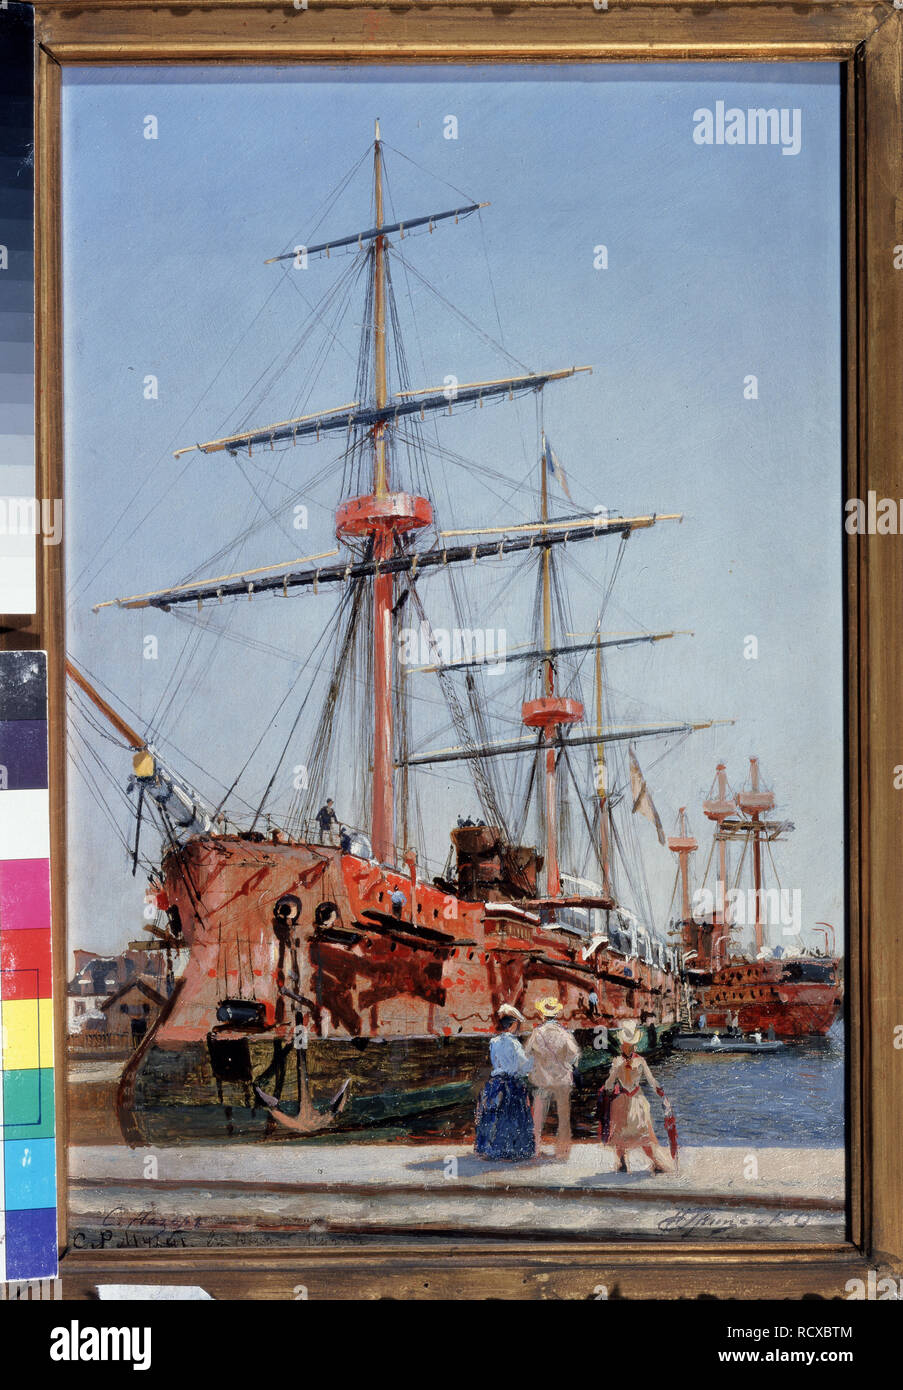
x=671 y=1131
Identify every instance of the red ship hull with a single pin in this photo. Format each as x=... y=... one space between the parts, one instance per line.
x=333 y=991
x=766 y=996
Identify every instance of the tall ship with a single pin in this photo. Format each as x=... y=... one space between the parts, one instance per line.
x=329 y=975
x=776 y=984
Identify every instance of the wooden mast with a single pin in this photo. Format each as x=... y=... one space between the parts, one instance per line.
x=133 y=739
x=553 y=874
x=380 y=478
x=683 y=845
x=721 y=773
x=719 y=809
x=381 y=515
x=754 y=803
x=601 y=788
x=383 y=813
x=546 y=579
x=757 y=858
x=551 y=711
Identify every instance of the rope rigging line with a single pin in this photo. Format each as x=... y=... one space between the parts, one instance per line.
x=79 y=702
x=708 y=863
x=329 y=202
x=325 y=474
x=458 y=313
x=151 y=722
x=265 y=514
x=343 y=705
x=351 y=602
x=97 y=796
x=181 y=755
x=477 y=766
x=478 y=698
x=451 y=456
x=251 y=403
x=182 y=665
x=673 y=893
x=429 y=172
x=77 y=587
x=327 y=629
x=593 y=841
x=773 y=865
x=527 y=800
x=346 y=284
x=96 y=792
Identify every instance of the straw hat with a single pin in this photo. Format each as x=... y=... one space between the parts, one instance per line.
x=550 y=1007
x=629 y=1033
x=509 y=1011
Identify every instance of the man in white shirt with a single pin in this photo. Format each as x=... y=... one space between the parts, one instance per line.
x=555 y=1053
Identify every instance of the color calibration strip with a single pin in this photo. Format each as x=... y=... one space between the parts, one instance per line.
x=28 y=1245
x=20 y=510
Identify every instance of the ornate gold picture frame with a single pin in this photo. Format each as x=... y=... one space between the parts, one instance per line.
x=866 y=39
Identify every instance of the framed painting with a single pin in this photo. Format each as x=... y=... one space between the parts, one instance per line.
x=472 y=647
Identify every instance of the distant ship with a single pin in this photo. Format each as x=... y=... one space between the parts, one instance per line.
x=330 y=982
x=785 y=988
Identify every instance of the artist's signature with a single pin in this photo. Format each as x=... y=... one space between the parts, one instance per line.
x=120 y=1229
x=686 y=1220
x=142 y=1230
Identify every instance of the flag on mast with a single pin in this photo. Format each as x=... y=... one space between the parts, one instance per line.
x=553 y=464
x=642 y=801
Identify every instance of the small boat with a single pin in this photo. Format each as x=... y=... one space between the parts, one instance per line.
x=703 y=1042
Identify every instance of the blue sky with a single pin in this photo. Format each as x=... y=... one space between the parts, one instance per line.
x=723 y=262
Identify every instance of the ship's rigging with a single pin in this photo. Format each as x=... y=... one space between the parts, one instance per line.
x=376 y=573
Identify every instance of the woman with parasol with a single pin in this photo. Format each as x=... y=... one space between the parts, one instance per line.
x=625 y=1117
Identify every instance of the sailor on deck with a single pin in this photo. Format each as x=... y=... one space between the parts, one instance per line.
x=326 y=819
x=398 y=901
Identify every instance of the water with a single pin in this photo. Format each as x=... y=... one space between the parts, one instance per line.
x=793 y=1098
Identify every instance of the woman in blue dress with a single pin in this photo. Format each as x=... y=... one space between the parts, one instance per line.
x=504 y=1117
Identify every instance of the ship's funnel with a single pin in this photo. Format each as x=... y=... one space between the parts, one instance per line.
x=489 y=869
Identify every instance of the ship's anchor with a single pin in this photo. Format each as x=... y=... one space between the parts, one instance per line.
x=308 y=1120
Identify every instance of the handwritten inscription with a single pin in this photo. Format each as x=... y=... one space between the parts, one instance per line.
x=121 y=1229
x=688 y=1220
